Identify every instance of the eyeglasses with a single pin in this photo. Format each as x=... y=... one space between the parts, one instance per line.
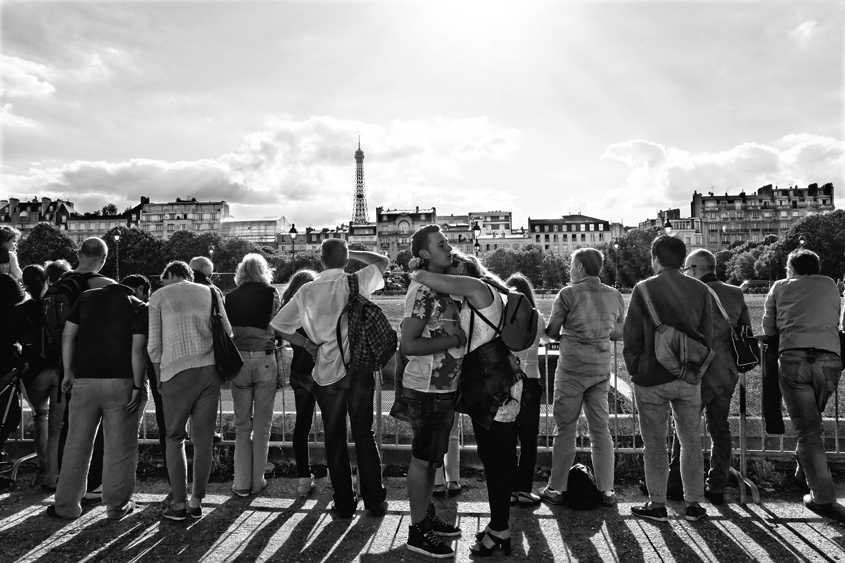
x=693 y=267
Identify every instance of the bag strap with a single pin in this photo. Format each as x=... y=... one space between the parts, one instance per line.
x=499 y=328
x=719 y=303
x=352 y=282
x=655 y=318
x=215 y=311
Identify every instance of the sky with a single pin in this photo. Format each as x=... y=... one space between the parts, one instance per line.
x=611 y=109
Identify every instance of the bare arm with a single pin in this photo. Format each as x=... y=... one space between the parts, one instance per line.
x=298 y=340
x=415 y=344
x=139 y=364
x=381 y=262
x=68 y=354
x=478 y=292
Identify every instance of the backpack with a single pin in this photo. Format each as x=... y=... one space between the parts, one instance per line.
x=56 y=305
x=372 y=341
x=581 y=485
x=518 y=325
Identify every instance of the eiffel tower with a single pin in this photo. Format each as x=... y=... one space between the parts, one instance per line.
x=359 y=200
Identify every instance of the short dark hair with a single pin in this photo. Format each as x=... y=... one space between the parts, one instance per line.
x=178 y=268
x=591 y=259
x=419 y=240
x=334 y=253
x=93 y=247
x=669 y=250
x=56 y=269
x=34 y=278
x=804 y=262
x=135 y=281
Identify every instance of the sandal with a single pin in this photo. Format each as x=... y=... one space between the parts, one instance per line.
x=487 y=542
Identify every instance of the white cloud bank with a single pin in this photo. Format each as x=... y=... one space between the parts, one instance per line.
x=665 y=177
x=302 y=169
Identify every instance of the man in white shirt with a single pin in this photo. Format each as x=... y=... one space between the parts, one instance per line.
x=315 y=308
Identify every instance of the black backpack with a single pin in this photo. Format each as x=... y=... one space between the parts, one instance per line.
x=372 y=340
x=583 y=492
x=518 y=325
x=56 y=305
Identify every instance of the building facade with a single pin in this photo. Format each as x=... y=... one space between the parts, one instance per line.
x=688 y=229
x=24 y=215
x=263 y=232
x=395 y=227
x=568 y=233
x=753 y=217
x=164 y=219
x=498 y=222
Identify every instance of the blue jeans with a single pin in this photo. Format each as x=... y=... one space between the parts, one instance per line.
x=47 y=421
x=351 y=395
x=303 y=392
x=717 y=409
x=807 y=381
x=653 y=406
x=97 y=401
x=253 y=395
x=572 y=394
x=528 y=427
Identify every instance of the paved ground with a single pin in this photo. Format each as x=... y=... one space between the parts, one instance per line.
x=275 y=526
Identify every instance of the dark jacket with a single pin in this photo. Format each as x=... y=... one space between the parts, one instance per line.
x=722 y=375
x=682 y=302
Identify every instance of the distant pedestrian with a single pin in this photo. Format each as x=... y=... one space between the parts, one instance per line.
x=250 y=307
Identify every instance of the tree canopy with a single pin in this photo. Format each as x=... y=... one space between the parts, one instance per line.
x=46 y=242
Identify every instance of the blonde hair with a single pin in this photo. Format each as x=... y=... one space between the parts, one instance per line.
x=254 y=268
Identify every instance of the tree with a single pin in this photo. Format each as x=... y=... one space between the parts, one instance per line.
x=109 y=209
x=501 y=262
x=403 y=258
x=555 y=270
x=46 y=242
x=823 y=234
x=139 y=253
x=635 y=256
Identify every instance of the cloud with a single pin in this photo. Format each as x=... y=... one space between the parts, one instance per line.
x=665 y=177
x=24 y=79
x=804 y=33
x=9 y=119
x=302 y=169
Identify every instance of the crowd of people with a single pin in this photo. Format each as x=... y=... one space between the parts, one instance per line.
x=88 y=351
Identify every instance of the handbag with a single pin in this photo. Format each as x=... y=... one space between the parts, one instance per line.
x=227 y=358
x=745 y=345
x=681 y=355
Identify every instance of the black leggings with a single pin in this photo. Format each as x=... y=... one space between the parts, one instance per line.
x=497 y=450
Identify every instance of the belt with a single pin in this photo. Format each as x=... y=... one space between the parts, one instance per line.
x=254 y=353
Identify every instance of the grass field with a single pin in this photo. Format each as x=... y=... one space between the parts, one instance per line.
x=394 y=307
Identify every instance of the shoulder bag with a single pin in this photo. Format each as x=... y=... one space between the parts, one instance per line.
x=745 y=344
x=683 y=356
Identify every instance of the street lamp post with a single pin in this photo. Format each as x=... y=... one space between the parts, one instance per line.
x=117 y=257
x=293 y=248
x=476 y=231
x=616 y=256
x=667 y=227
x=802 y=241
x=477 y=248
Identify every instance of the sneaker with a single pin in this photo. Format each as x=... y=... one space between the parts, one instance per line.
x=552 y=496
x=119 y=514
x=306 y=486
x=695 y=513
x=174 y=514
x=714 y=498
x=608 y=498
x=379 y=510
x=426 y=542
x=195 y=513
x=650 y=513
x=439 y=490
x=828 y=510
x=440 y=526
x=525 y=498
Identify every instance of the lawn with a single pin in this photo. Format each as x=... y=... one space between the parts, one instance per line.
x=393 y=306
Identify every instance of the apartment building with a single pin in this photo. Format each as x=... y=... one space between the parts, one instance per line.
x=569 y=232
x=263 y=232
x=688 y=229
x=395 y=227
x=164 y=219
x=24 y=215
x=726 y=219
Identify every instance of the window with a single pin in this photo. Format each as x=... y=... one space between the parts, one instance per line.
x=554 y=239
x=537 y=238
x=601 y=236
x=555 y=230
x=171 y=227
x=583 y=227
x=546 y=238
x=601 y=227
x=583 y=237
x=592 y=226
x=546 y=228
